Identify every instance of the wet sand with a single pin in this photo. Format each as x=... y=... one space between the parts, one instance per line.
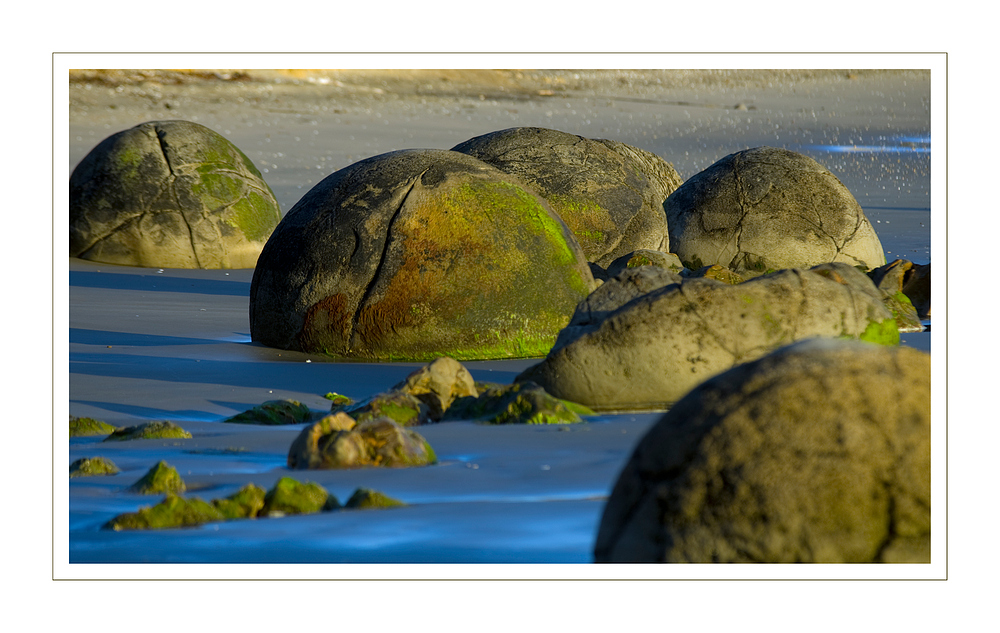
x=146 y=344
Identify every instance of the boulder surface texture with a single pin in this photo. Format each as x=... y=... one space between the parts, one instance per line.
x=610 y=194
x=766 y=209
x=653 y=349
x=819 y=452
x=169 y=194
x=416 y=254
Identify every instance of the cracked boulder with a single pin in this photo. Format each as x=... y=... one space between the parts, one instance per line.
x=416 y=254
x=337 y=442
x=654 y=348
x=169 y=194
x=609 y=194
x=819 y=452
x=766 y=209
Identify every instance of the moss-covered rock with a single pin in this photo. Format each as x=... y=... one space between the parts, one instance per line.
x=418 y=254
x=338 y=401
x=364 y=498
x=610 y=194
x=520 y=403
x=149 y=431
x=400 y=407
x=81 y=427
x=274 y=412
x=170 y=194
x=161 y=478
x=173 y=511
x=375 y=442
x=289 y=496
x=245 y=503
x=92 y=467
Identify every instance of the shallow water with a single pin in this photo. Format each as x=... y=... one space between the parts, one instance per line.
x=150 y=344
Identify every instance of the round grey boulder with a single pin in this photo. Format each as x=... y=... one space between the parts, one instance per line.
x=610 y=194
x=819 y=452
x=417 y=254
x=766 y=209
x=653 y=349
x=169 y=194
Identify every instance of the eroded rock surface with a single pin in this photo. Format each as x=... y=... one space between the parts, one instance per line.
x=819 y=452
x=767 y=209
x=610 y=194
x=653 y=349
x=417 y=254
x=170 y=194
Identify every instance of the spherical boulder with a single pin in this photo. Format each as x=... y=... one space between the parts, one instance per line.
x=766 y=209
x=819 y=452
x=653 y=348
x=169 y=194
x=416 y=254
x=610 y=194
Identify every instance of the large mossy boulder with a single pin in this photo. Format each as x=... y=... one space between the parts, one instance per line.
x=653 y=349
x=82 y=427
x=819 y=452
x=337 y=441
x=92 y=467
x=415 y=254
x=766 y=209
x=610 y=194
x=169 y=194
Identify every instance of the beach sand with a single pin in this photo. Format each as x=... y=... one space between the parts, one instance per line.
x=151 y=344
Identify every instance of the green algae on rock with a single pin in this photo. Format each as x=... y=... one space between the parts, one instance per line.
x=81 y=427
x=337 y=441
x=161 y=478
x=92 y=467
x=177 y=511
x=417 y=254
x=519 y=403
x=148 y=431
x=170 y=194
x=610 y=194
x=245 y=503
x=403 y=408
x=274 y=412
x=173 y=511
x=289 y=496
x=365 y=498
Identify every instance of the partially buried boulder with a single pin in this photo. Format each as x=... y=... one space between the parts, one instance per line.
x=438 y=384
x=416 y=254
x=337 y=441
x=92 y=467
x=274 y=412
x=161 y=429
x=169 y=194
x=819 y=452
x=653 y=349
x=520 y=403
x=766 y=209
x=610 y=194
